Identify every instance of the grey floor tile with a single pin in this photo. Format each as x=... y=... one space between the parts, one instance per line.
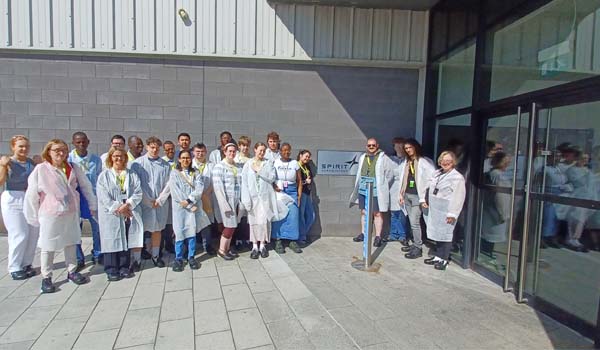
x=176 y=334
x=121 y=289
x=210 y=316
x=81 y=303
x=359 y=326
x=59 y=298
x=177 y=305
x=13 y=308
x=208 y=269
x=217 y=340
x=238 y=296
x=328 y=295
x=248 y=329
x=139 y=328
x=289 y=334
x=230 y=275
x=178 y=280
x=272 y=306
x=276 y=267
x=102 y=340
x=207 y=288
x=29 y=325
x=292 y=288
x=60 y=334
x=152 y=275
x=259 y=281
x=24 y=345
x=148 y=295
x=331 y=338
x=312 y=315
x=108 y=314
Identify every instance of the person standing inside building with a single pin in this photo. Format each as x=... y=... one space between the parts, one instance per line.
x=307 y=210
x=167 y=233
x=92 y=167
x=445 y=199
x=273 y=140
x=204 y=168
x=120 y=214
x=227 y=183
x=398 y=221
x=185 y=190
x=115 y=141
x=52 y=204
x=136 y=147
x=217 y=155
x=289 y=181
x=154 y=175
x=259 y=199
x=373 y=166
x=22 y=237
x=415 y=172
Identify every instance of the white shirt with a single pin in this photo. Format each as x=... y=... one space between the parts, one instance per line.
x=286 y=171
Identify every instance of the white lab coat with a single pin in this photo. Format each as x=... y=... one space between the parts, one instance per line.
x=396 y=184
x=209 y=201
x=258 y=196
x=383 y=175
x=446 y=202
x=112 y=226
x=52 y=203
x=423 y=173
x=495 y=216
x=154 y=177
x=215 y=156
x=227 y=187
x=185 y=222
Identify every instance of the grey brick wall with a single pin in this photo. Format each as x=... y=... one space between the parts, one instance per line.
x=313 y=107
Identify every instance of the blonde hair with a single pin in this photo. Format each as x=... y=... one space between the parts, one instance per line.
x=14 y=139
x=111 y=151
x=46 y=150
x=447 y=153
x=244 y=140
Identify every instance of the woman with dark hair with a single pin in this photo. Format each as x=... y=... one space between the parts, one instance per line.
x=185 y=188
x=415 y=172
x=307 y=210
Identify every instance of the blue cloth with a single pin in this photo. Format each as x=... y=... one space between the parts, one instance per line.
x=307 y=216
x=191 y=244
x=18 y=174
x=362 y=185
x=288 y=228
x=96 y=251
x=549 y=219
x=398 y=223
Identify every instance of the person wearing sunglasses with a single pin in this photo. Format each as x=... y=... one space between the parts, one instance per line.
x=374 y=166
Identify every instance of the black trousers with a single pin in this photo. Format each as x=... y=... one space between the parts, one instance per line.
x=117 y=262
x=242 y=232
x=442 y=250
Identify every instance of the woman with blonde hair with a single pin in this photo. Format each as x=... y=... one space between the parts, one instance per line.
x=22 y=237
x=52 y=204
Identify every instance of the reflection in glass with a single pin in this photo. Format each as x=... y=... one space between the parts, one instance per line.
x=455 y=79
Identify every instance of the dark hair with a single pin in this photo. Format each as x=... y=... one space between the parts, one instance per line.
x=168 y=143
x=178 y=166
x=184 y=134
x=79 y=134
x=397 y=140
x=153 y=140
x=489 y=145
x=117 y=136
x=273 y=135
x=416 y=145
x=497 y=159
x=225 y=133
x=133 y=138
x=303 y=152
x=285 y=144
x=199 y=146
x=258 y=144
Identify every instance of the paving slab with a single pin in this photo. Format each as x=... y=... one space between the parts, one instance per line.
x=272 y=306
x=217 y=340
x=109 y=314
x=176 y=334
x=210 y=316
x=248 y=329
x=289 y=334
x=60 y=334
x=29 y=325
x=101 y=340
x=230 y=274
x=139 y=328
x=177 y=305
x=237 y=297
x=207 y=288
x=147 y=295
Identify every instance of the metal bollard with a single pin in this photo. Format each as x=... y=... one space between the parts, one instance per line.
x=368 y=241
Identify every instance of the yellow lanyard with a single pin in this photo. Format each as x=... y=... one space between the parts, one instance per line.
x=121 y=181
x=201 y=168
x=84 y=163
x=411 y=167
x=307 y=172
x=233 y=169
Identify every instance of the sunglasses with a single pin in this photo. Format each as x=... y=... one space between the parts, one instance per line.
x=371 y=146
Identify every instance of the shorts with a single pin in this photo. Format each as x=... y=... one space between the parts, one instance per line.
x=362 y=200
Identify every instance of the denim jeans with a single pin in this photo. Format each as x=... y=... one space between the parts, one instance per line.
x=398 y=224
x=191 y=244
x=96 y=249
x=307 y=216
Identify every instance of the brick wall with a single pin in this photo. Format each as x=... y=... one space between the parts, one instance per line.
x=313 y=107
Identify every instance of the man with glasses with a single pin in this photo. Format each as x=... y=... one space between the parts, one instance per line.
x=373 y=166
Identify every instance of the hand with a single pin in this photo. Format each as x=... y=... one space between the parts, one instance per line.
x=401 y=200
x=308 y=181
x=184 y=204
x=94 y=213
x=450 y=220
x=5 y=161
x=193 y=209
x=277 y=189
x=424 y=205
x=127 y=213
x=155 y=204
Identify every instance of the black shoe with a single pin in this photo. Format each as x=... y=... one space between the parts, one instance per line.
x=359 y=238
x=233 y=253
x=18 y=275
x=146 y=255
x=210 y=251
x=29 y=271
x=47 y=286
x=377 y=242
x=178 y=265
x=80 y=266
x=77 y=278
x=135 y=267
x=294 y=247
x=551 y=242
x=194 y=264
x=126 y=273
x=279 y=247
x=113 y=277
x=414 y=253
x=430 y=261
x=405 y=242
x=264 y=253
x=170 y=249
x=302 y=244
x=407 y=248
x=254 y=254
x=158 y=262
x=225 y=256
x=441 y=265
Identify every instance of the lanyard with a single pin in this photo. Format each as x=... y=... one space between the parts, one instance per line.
x=286 y=169
x=233 y=169
x=411 y=167
x=201 y=168
x=188 y=177
x=84 y=162
x=441 y=176
x=121 y=181
x=306 y=171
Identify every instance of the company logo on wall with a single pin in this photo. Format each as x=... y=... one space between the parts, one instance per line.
x=341 y=163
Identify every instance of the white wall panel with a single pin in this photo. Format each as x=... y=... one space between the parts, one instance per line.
x=207 y=15
x=41 y=28
x=61 y=24
x=4 y=23
x=165 y=26
x=304 y=31
x=83 y=24
x=246 y=27
x=103 y=24
x=400 y=42
x=284 y=30
x=324 y=22
x=418 y=38
x=382 y=34
x=124 y=25
x=226 y=27
x=186 y=30
x=265 y=29
x=145 y=25
x=342 y=32
x=20 y=24
x=362 y=34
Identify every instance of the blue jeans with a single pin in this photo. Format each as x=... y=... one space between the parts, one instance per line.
x=398 y=224
x=307 y=216
x=191 y=244
x=96 y=249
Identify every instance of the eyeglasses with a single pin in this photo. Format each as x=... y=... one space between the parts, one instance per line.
x=58 y=150
x=371 y=146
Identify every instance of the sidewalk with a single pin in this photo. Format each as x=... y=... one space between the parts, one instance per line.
x=313 y=300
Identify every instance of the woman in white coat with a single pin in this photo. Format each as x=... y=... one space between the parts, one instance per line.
x=259 y=199
x=119 y=194
x=22 y=237
x=227 y=184
x=185 y=188
x=52 y=203
x=445 y=199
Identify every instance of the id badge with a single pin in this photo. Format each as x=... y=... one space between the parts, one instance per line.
x=435 y=191
x=411 y=184
x=123 y=197
x=285 y=184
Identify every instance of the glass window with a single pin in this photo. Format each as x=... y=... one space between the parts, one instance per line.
x=455 y=79
x=555 y=44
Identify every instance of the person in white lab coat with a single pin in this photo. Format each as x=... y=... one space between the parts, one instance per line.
x=185 y=189
x=273 y=142
x=22 y=237
x=445 y=198
x=204 y=168
x=52 y=204
x=217 y=155
x=241 y=236
x=119 y=192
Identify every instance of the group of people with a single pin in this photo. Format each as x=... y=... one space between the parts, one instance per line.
x=139 y=203
x=409 y=186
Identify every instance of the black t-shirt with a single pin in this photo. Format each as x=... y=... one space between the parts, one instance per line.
x=411 y=180
x=306 y=187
